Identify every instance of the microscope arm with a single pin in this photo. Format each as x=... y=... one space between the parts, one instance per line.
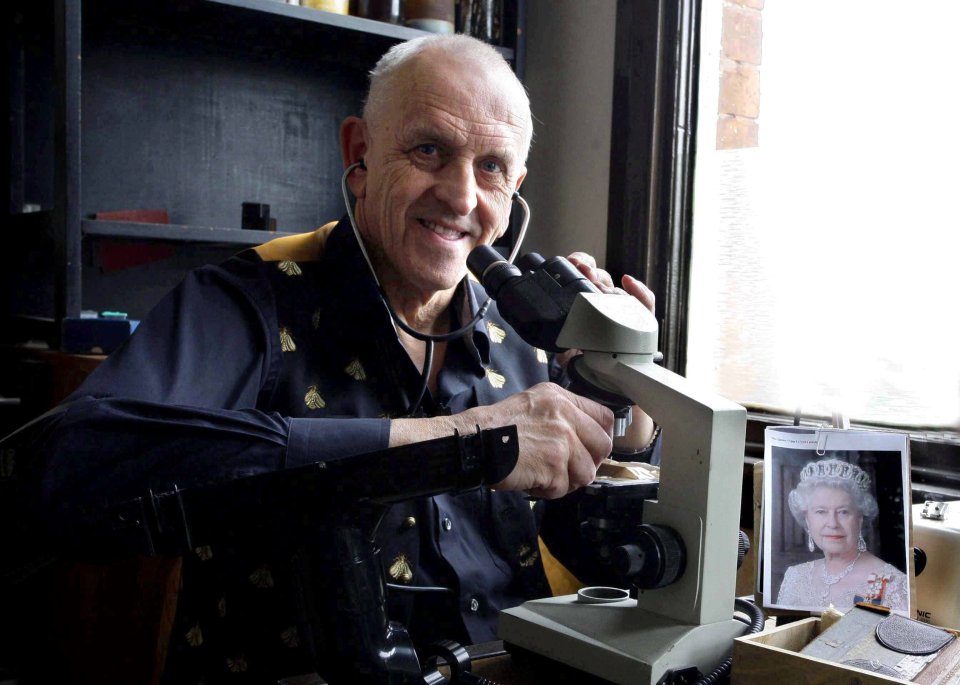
x=700 y=482
x=701 y=461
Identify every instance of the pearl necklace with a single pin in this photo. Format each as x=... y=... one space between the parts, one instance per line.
x=830 y=580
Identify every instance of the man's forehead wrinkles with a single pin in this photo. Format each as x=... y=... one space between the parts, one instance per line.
x=457 y=132
x=460 y=129
x=488 y=101
x=475 y=107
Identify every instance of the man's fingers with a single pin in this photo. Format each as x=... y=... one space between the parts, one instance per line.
x=578 y=258
x=563 y=438
x=600 y=278
x=600 y=414
x=604 y=279
x=593 y=424
x=587 y=265
x=640 y=291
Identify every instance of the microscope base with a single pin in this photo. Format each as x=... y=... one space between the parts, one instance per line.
x=617 y=641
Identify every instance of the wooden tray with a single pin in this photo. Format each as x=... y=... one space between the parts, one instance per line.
x=773 y=657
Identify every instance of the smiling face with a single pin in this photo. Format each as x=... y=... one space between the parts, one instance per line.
x=833 y=520
x=443 y=160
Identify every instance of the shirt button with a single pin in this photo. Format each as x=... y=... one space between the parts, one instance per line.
x=409 y=522
x=474 y=604
x=447 y=523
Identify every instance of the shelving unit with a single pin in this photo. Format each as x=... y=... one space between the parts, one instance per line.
x=191 y=106
x=177 y=233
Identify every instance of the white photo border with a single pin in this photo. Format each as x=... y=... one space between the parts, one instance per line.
x=812 y=444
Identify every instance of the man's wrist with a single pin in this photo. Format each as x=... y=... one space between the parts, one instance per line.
x=620 y=452
x=406 y=431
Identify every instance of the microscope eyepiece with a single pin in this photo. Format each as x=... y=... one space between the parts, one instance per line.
x=530 y=261
x=491 y=269
x=535 y=296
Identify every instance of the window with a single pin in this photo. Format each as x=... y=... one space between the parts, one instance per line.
x=825 y=251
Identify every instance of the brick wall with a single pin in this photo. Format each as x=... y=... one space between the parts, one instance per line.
x=738 y=109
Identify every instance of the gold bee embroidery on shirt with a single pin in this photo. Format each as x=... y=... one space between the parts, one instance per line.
x=204 y=553
x=400 y=569
x=290 y=637
x=496 y=333
x=222 y=607
x=355 y=369
x=541 y=356
x=195 y=636
x=528 y=557
x=496 y=379
x=286 y=340
x=313 y=399
x=237 y=665
x=262 y=578
x=289 y=268
x=315 y=319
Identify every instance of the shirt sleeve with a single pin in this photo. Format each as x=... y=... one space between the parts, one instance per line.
x=177 y=405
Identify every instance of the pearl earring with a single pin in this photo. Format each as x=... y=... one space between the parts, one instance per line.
x=810 y=542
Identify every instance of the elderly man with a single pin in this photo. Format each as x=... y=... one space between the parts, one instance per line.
x=287 y=354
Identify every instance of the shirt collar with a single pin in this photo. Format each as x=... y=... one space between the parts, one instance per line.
x=466 y=305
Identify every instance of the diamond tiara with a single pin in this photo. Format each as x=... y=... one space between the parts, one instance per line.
x=834 y=468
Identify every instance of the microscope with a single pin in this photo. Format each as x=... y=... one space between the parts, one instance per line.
x=684 y=560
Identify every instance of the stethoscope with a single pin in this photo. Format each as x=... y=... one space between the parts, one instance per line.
x=428 y=338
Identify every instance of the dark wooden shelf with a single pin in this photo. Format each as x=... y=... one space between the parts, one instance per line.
x=196 y=106
x=393 y=32
x=178 y=233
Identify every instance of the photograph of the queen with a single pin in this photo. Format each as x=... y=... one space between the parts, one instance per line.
x=832 y=502
x=836 y=510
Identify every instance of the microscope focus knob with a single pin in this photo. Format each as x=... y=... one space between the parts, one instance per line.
x=655 y=559
x=743 y=546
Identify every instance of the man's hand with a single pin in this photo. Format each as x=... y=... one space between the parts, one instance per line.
x=640 y=432
x=563 y=437
x=587 y=265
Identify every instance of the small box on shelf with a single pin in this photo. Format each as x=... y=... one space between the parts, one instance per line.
x=96 y=333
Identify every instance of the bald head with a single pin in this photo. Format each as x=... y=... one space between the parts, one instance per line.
x=392 y=75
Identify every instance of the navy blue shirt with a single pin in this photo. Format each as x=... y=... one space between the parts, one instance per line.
x=252 y=366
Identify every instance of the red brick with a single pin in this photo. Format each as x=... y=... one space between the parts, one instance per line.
x=742 y=34
x=734 y=133
x=739 y=90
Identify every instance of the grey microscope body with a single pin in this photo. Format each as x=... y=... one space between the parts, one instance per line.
x=688 y=622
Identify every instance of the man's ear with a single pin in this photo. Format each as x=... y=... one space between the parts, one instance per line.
x=353 y=146
x=523 y=175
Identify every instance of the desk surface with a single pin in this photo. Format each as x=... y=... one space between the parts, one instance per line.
x=523 y=668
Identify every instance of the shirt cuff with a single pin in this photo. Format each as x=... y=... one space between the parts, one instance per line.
x=313 y=440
